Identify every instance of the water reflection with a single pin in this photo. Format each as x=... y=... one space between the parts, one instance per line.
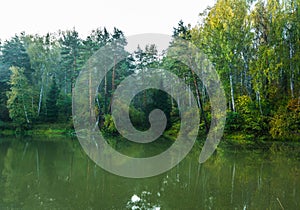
x=142 y=202
x=56 y=174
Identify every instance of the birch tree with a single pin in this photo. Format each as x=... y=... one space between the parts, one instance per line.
x=21 y=110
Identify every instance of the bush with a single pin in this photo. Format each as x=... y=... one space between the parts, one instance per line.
x=109 y=125
x=252 y=121
x=286 y=122
x=233 y=122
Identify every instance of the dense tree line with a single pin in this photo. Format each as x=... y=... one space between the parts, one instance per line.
x=38 y=74
x=253 y=45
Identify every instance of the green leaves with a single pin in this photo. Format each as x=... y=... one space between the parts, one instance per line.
x=21 y=110
x=51 y=102
x=256 y=52
x=286 y=121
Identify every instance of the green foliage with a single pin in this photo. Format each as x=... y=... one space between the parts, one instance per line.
x=234 y=122
x=70 y=62
x=172 y=132
x=251 y=120
x=254 y=46
x=44 y=54
x=21 y=110
x=137 y=117
x=51 y=103
x=109 y=125
x=286 y=121
x=255 y=49
x=4 y=114
x=160 y=100
x=64 y=104
x=14 y=53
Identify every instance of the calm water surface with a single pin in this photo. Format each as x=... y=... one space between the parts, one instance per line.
x=57 y=174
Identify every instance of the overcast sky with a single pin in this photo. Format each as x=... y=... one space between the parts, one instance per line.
x=131 y=16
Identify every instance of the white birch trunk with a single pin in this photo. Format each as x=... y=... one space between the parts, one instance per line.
x=65 y=83
x=259 y=101
x=24 y=109
x=40 y=98
x=26 y=115
x=292 y=72
x=231 y=93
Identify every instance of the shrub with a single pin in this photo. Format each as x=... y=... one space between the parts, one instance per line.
x=109 y=125
x=286 y=122
x=252 y=121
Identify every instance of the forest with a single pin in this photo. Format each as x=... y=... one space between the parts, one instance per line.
x=253 y=45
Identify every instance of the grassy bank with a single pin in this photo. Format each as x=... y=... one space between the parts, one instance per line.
x=235 y=139
x=49 y=129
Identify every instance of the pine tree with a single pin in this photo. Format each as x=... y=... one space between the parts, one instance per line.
x=14 y=53
x=51 y=102
x=70 y=53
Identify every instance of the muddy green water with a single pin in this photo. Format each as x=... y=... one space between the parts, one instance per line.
x=37 y=173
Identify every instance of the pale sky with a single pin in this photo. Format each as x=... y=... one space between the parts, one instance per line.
x=131 y=16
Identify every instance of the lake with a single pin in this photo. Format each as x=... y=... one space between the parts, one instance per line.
x=55 y=173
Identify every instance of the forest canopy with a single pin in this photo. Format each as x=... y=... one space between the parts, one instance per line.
x=253 y=45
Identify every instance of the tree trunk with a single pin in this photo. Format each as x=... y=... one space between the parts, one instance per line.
x=90 y=97
x=40 y=98
x=105 y=93
x=231 y=93
x=200 y=102
x=292 y=72
x=25 y=111
x=74 y=72
x=41 y=93
x=259 y=101
x=112 y=84
x=113 y=76
x=26 y=115
x=66 y=83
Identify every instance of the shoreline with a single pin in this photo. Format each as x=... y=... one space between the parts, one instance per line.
x=237 y=139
